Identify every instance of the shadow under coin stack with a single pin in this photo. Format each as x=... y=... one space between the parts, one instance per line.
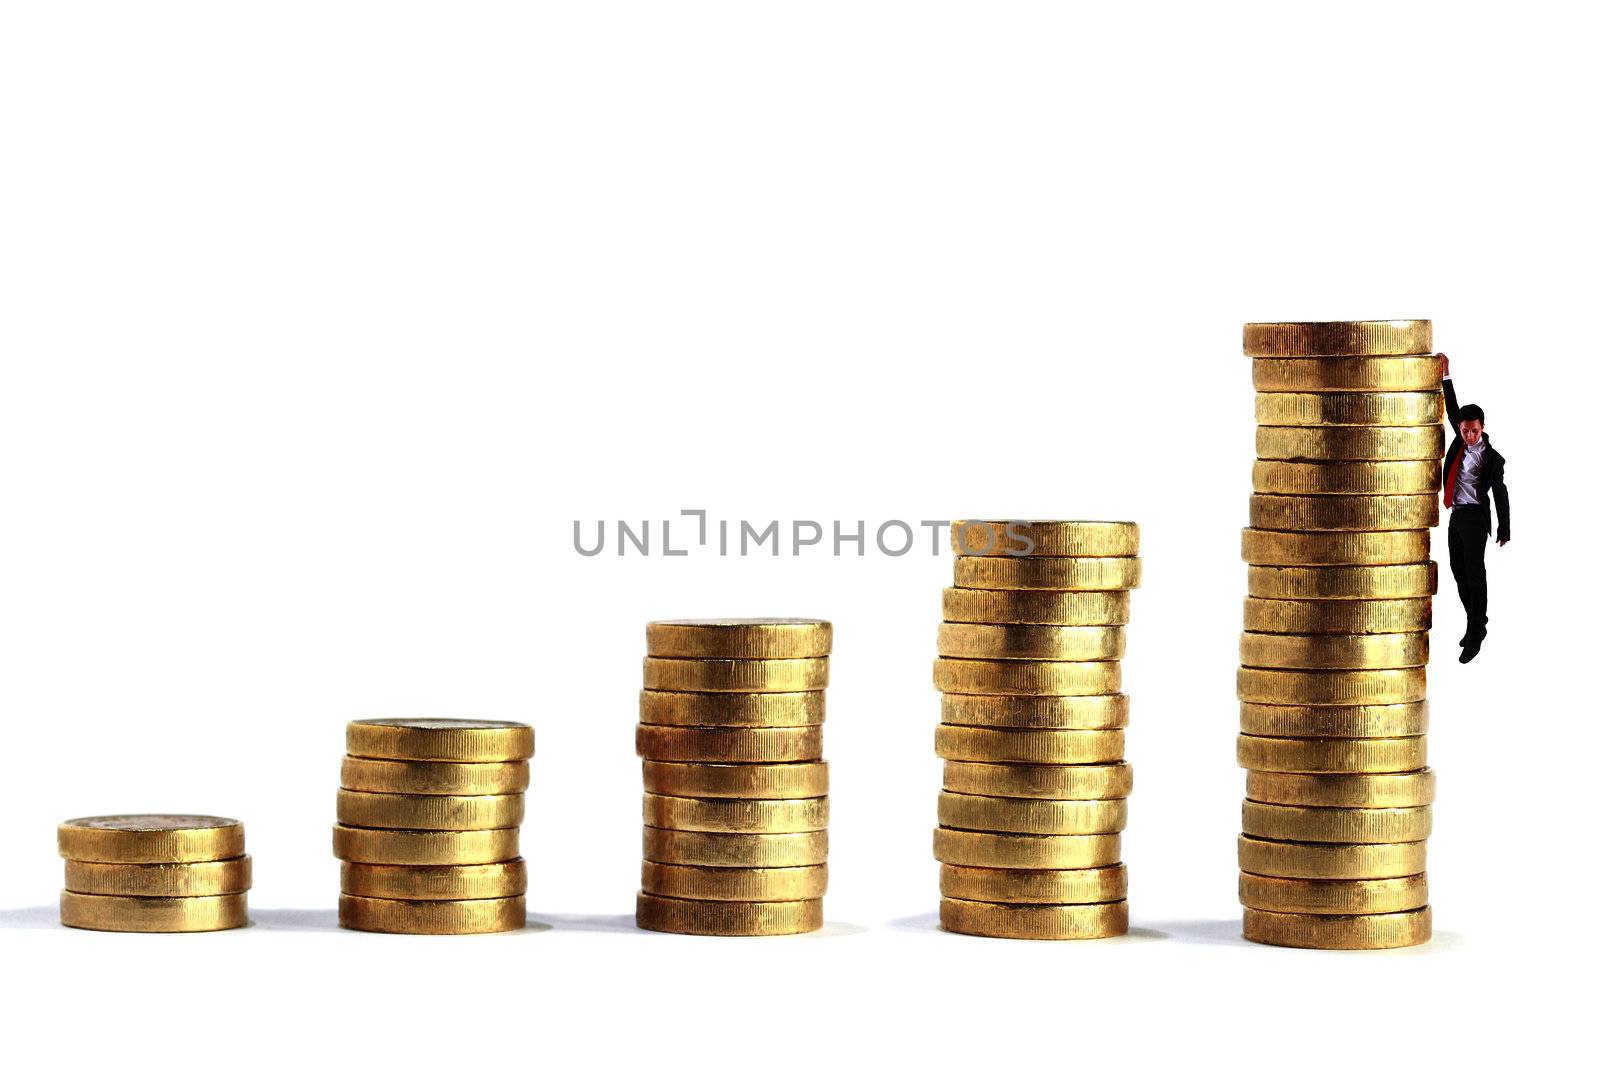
x=735 y=789
x=1032 y=719
x=1332 y=678
x=170 y=874
x=429 y=813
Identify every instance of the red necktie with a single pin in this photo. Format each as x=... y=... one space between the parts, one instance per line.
x=1450 y=479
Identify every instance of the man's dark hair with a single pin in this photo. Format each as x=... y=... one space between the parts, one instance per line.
x=1468 y=413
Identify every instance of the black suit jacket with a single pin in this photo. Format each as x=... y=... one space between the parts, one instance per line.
x=1491 y=472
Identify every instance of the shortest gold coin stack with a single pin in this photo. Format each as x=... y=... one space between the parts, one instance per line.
x=154 y=873
x=735 y=789
x=429 y=813
x=1032 y=716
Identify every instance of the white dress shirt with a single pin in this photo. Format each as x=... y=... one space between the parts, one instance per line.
x=1467 y=476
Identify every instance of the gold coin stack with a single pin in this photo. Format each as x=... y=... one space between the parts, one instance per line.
x=735 y=788
x=1332 y=678
x=429 y=813
x=1032 y=716
x=167 y=874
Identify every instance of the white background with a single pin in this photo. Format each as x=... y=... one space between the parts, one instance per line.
x=322 y=322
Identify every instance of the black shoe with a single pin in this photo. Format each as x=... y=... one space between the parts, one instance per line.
x=1471 y=647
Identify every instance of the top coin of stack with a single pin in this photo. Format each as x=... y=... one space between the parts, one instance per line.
x=1031 y=727
x=429 y=815
x=1332 y=675
x=154 y=873
x=736 y=792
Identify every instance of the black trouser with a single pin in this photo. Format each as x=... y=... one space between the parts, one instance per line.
x=1469 y=536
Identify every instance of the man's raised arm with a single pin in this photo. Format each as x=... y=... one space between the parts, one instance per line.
x=1451 y=407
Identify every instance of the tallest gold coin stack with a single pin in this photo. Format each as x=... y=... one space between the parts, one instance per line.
x=1031 y=720
x=1333 y=678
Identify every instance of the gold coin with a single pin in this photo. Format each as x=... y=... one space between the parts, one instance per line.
x=1403 y=789
x=742 y=781
x=1390 y=337
x=1034 y=922
x=1308 y=513
x=1347 y=548
x=1044 y=606
x=1321 y=755
x=421 y=776
x=664 y=708
x=450 y=740
x=696 y=848
x=1346 y=443
x=734 y=883
x=387 y=916
x=739 y=638
x=1353 y=826
x=150 y=838
x=153 y=915
x=1396 y=582
x=986 y=744
x=1013 y=815
x=1333 y=896
x=1072 y=573
x=725 y=816
x=1348 y=374
x=1298 y=477
x=1017 y=678
x=967 y=848
x=1359 y=720
x=208 y=878
x=468 y=881
x=413 y=811
x=728 y=918
x=1105 y=711
x=1349 y=409
x=424 y=847
x=1346 y=651
x=1338 y=616
x=1285 y=859
x=976 y=640
x=1398 y=686
x=1394 y=930
x=729 y=744
x=1043 y=537
x=1091 y=885
x=736 y=675
x=1094 y=781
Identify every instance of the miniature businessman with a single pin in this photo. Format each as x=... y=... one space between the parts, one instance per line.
x=1473 y=472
